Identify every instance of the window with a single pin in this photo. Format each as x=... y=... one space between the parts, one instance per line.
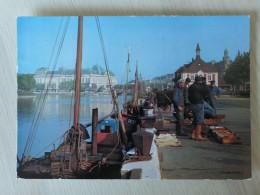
x=105 y=129
x=209 y=77
x=192 y=77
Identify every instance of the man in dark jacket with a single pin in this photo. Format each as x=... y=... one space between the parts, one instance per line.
x=186 y=98
x=196 y=96
x=178 y=101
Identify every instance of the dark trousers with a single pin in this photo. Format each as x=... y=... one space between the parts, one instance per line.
x=180 y=121
x=186 y=111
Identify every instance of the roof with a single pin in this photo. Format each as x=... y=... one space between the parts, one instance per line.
x=197 y=65
x=96 y=69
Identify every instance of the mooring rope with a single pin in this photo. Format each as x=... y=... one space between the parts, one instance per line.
x=37 y=106
x=36 y=123
x=105 y=58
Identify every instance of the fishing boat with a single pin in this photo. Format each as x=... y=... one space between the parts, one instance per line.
x=102 y=157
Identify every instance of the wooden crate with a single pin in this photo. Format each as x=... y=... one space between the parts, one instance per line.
x=228 y=138
x=231 y=140
x=187 y=121
x=166 y=121
x=220 y=117
x=219 y=130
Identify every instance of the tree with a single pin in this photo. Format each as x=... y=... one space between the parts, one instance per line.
x=118 y=86
x=101 y=88
x=94 y=86
x=83 y=87
x=26 y=81
x=40 y=86
x=238 y=71
x=67 y=85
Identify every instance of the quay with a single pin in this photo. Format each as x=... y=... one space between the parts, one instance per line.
x=202 y=159
x=210 y=159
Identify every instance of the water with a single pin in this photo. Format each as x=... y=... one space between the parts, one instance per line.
x=55 y=119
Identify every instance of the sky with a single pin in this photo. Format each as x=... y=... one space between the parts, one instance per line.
x=159 y=44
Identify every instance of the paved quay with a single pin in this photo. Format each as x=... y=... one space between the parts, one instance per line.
x=210 y=159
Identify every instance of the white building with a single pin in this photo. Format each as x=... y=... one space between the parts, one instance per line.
x=200 y=68
x=89 y=76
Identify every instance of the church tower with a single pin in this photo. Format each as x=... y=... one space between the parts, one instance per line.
x=198 y=51
x=226 y=59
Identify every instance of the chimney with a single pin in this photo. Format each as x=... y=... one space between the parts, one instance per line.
x=213 y=62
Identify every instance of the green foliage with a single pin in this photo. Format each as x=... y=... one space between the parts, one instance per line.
x=83 y=87
x=94 y=86
x=39 y=86
x=67 y=85
x=26 y=81
x=119 y=86
x=238 y=71
x=101 y=88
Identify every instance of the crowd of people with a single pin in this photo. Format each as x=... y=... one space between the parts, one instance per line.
x=197 y=101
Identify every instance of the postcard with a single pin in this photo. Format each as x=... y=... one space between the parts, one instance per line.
x=134 y=97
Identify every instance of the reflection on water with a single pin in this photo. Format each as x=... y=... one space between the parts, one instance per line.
x=57 y=117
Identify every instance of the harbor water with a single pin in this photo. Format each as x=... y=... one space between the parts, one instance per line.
x=56 y=118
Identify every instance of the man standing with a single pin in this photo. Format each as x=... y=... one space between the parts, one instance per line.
x=207 y=96
x=178 y=101
x=186 y=98
x=196 y=96
x=214 y=94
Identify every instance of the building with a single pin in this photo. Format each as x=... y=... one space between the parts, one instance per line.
x=89 y=76
x=198 y=67
x=222 y=67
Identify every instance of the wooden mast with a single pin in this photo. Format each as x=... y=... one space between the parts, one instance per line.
x=126 y=85
x=78 y=74
x=136 y=86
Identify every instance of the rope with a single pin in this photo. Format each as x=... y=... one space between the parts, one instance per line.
x=105 y=57
x=36 y=124
x=33 y=121
x=49 y=145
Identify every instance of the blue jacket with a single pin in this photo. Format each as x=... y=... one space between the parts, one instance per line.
x=178 y=98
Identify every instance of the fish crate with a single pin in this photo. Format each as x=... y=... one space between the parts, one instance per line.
x=232 y=138
x=187 y=121
x=227 y=137
x=163 y=131
x=219 y=117
x=167 y=121
x=214 y=129
x=158 y=124
x=211 y=121
x=147 y=122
